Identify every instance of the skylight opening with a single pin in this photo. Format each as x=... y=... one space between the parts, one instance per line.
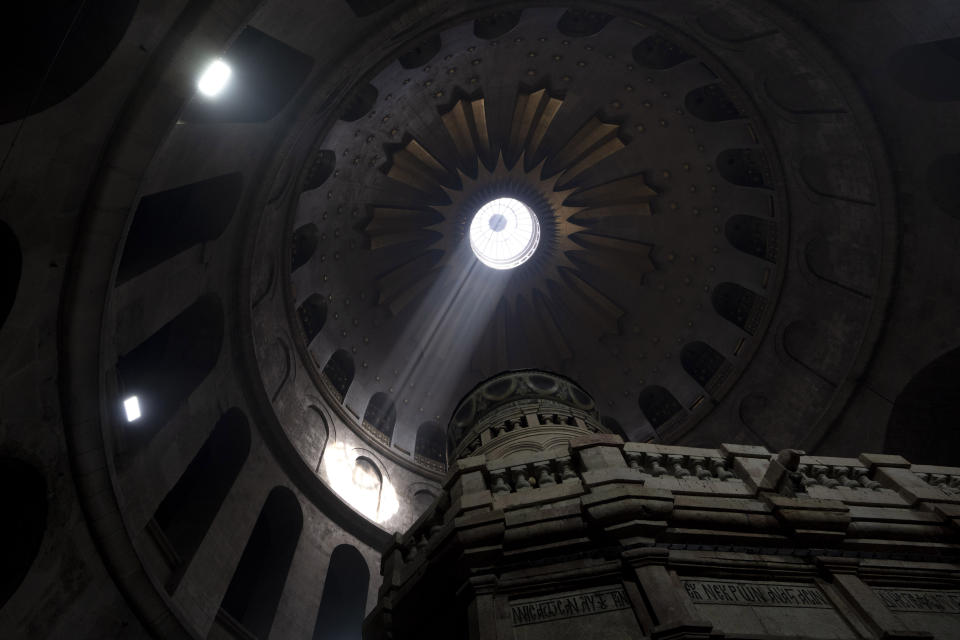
x=504 y=233
x=132 y=408
x=214 y=78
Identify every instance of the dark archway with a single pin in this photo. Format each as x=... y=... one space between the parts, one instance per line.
x=254 y=592
x=163 y=370
x=929 y=70
x=313 y=315
x=11 y=267
x=658 y=405
x=752 y=235
x=304 y=245
x=381 y=415
x=738 y=305
x=704 y=364
x=344 y=597
x=60 y=46
x=711 y=103
x=169 y=222
x=188 y=510
x=923 y=425
x=339 y=371
x=24 y=508
x=431 y=443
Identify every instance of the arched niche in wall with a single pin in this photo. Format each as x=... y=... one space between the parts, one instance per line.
x=339 y=372
x=313 y=315
x=368 y=486
x=658 y=405
x=265 y=75
x=943 y=183
x=742 y=167
x=253 y=595
x=163 y=370
x=344 y=599
x=11 y=267
x=60 y=46
x=421 y=53
x=321 y=168
x=431 y=444
x=304 y=245
x=381 y=415
x=929 y=70
x=711 y=104
x=577 y=23
x=738 y=305
x=753 y=235
x=183 y=517
x=24 y=522
x=704 y=364
x=496 y=24
x=360 y=103
x=169 y=222
x=422 y=500
x=923 y=425
x=656 y=52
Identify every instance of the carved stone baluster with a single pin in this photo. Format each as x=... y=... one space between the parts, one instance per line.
x=720 y=469
x=634 y=460
x=499 y=481
x=676 y=466
x=841 y=475
x=656 y=469
x=860 y=475
x=566 y=469
x=544 y=474
x=699 y=468
x=820 y=473
x=805 y=479
x=520 y=481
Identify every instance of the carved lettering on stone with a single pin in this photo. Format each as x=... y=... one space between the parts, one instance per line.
x=920 y=600
x=757 y=594
x=569 y=605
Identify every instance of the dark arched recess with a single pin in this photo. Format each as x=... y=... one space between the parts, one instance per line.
x=188 y=510
x=24 y=511
x=254 y=593
x=60 y=46
x=923 y=425
x=930 y=70
x=339 y=372
x=658 y=405
x=431 y=443
x=11 y=266
x=381 y=415
x=171 y=221
x=163 y=370
x=344 y=597
x=313 y=315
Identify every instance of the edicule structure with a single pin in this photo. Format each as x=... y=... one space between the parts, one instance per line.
x=550 y=527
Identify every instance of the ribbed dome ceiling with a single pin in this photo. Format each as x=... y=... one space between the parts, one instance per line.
x=656 y=204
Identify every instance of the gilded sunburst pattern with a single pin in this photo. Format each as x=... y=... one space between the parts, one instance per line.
x=517 y=167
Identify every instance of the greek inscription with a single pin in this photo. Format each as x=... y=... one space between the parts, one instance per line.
x=755 y=594
x=569 y=606
x=920 y=600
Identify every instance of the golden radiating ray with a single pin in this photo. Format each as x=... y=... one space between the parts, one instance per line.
x=550 y=285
